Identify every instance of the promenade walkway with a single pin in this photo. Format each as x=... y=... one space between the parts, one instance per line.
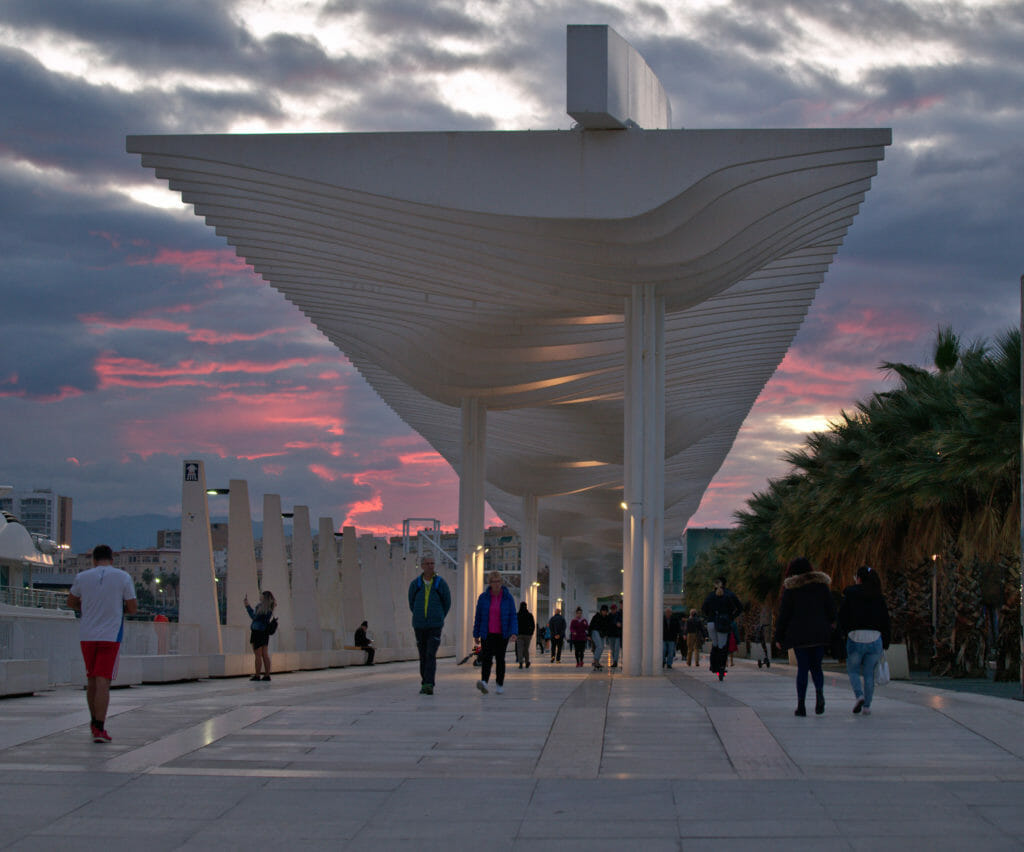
x=565 y=760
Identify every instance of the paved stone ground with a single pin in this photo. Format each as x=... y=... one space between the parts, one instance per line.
x=356 y=759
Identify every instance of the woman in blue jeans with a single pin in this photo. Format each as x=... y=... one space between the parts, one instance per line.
x=864 y=618
x=807 y=615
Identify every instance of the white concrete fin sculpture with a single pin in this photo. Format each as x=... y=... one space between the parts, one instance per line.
x=328 y=583
x=304 y=607
x=197 y=592
x=351 y=582
x=609 y=86
x=275 y=573
x=241 y=580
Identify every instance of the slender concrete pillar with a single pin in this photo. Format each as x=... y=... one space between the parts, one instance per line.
x=644 y=491
x=471 y=521
x=275 y=573
x=529 y=552
x=197 y=589
x=303 y=580
x=328 y=583
x=632 y=544
x=555 y=574
x=241 y=580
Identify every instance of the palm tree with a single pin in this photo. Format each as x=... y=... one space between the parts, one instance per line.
x=922 y=476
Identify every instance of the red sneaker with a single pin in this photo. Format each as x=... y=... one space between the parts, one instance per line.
x=99 y=735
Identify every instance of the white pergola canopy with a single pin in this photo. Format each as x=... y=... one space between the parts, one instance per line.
x=393 y=246
x=503 y=270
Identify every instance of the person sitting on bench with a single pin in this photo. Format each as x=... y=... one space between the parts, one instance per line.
x=365 y=642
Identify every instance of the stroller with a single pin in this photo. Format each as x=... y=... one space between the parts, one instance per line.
x=762 y=639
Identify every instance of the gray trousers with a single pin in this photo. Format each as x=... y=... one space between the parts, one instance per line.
x=523 y=644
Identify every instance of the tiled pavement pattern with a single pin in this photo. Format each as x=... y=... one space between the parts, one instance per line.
x=565 y=760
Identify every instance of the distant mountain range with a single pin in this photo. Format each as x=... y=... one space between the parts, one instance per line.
x=130 y=532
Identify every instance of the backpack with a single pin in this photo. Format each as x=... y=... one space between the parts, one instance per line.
x=272 y=627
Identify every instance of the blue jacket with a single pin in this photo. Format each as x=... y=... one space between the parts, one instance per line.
x=509 y=619
x=429 y=611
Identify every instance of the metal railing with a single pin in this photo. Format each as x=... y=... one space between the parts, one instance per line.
x=37 y=598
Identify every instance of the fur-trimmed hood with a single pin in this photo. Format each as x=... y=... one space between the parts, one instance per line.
x=799 y=580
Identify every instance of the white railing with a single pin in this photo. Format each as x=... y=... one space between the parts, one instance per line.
x=37 y=598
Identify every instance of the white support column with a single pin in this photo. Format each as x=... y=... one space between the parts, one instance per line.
x=303 y=579
x=197 y=590
x=555 y=574
x=241 y=580
x=654 y=467
x=643 y=476
x=529 y=552
x=471 y=521
x=275 y=572
x=632 y=549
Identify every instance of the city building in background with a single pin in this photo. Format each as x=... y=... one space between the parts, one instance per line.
x=42 y=512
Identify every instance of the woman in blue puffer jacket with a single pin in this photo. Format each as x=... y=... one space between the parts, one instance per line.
x=495 y=624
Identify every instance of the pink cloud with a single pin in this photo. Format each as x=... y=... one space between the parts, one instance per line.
x=114 y=371
x=325 y=473
x=878 y=325
x=219 y=261
x=427 y=459
x=101 y=325
x=63 y=393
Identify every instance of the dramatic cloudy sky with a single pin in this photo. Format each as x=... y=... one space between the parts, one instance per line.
x=131 y=337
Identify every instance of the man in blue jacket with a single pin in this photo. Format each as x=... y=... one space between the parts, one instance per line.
x=429 y=601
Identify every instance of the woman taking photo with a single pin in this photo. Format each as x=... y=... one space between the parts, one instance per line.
x=806 y=617
x=864 y=618
x=263 y=624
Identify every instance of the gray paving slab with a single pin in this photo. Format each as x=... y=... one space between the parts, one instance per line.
x=564 y=759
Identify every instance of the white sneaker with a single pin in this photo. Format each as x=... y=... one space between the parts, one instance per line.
x=866 y=710
x=481 y=686
x=499 y=689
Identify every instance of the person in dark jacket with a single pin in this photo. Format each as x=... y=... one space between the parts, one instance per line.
x=579 y=629
x=361 y=640
x=524 y=635
x=720 y=610
x=494 y=625
x=613 y=633
x=598 y=625
x=807 y=615
x=429 y=601
x=556 y=626
x=669 y=636
x=864 y=618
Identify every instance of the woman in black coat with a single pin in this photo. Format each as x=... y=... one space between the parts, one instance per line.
x=864 y=618
x=807 y=615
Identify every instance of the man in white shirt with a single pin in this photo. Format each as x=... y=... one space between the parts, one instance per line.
x=104 y=594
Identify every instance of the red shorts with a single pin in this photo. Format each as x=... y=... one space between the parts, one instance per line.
x=100 y=658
